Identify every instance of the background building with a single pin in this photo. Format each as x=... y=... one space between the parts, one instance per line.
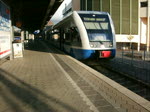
x=144 y=23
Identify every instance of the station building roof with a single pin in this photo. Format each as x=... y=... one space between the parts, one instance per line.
x=32 y=14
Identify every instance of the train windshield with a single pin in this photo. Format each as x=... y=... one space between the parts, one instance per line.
x=97 y=26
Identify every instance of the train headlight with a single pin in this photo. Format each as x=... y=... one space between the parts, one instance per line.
x=111 y=45
x=92 y=45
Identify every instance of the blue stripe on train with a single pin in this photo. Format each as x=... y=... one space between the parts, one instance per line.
x=82 y=54
x=85 y=54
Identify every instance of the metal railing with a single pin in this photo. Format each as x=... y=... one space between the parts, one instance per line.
x=135 y=64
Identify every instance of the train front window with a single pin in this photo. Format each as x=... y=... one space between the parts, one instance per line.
x=98 y=27
x=97 y=37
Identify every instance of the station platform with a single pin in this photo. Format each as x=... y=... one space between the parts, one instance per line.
x=46 y=80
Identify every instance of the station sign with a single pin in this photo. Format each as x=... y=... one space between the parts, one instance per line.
x=5 y=32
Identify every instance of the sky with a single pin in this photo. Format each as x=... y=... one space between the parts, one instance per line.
x=58 y=15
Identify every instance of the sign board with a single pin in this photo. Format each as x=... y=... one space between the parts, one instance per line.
x=5 y=24
x=18 y=50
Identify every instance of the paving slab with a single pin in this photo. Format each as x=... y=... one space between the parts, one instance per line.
x=35 y=83
x=38 y=83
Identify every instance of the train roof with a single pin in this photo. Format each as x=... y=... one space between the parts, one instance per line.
x=87 y=12
x=81 y=12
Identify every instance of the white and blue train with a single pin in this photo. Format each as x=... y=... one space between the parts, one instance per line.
x=85 y=34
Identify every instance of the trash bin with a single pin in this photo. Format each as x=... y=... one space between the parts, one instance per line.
x=17 y=50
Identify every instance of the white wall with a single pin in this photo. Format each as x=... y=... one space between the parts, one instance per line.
x=124 y=38
x=143 y=30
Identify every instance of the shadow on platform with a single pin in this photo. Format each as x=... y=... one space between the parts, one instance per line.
x=36 y=46
x=15 y=91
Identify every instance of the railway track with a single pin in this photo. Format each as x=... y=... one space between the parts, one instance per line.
x=134 y=85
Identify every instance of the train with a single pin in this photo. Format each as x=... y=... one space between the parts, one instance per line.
x=85 y=35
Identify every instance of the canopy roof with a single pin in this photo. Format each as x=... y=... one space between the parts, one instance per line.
x=32 y=14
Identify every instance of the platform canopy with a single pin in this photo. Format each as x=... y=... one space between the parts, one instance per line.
x=32 y=14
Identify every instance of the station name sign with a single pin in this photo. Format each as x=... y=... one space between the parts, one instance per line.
x=94 y=19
